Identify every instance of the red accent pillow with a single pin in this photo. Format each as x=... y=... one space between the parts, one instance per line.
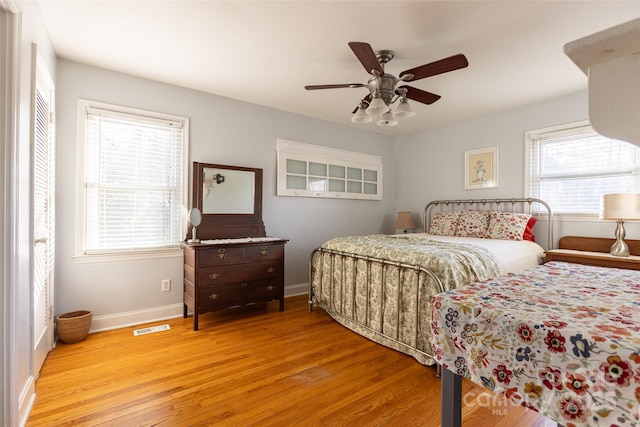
x=528 y=231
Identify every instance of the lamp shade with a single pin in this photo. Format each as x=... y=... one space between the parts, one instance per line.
x=387 y=119
x=404 y=221
x=625 y=206
x=361 y=116
x=404 y=110
x=377 y=106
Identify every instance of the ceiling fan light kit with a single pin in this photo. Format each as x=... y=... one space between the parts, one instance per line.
x=377 y=106
x=361 y=116
x=383 y=87
x=404 y=110
x=387 y=119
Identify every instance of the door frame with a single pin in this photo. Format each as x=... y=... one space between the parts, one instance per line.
x=10 y=41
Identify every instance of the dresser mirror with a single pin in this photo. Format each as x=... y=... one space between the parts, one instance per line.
x=228 y=191
x=230 y=199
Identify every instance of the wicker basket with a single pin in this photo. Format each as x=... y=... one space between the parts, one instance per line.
x=74 y=326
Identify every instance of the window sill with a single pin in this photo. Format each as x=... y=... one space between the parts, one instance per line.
x=128 y=256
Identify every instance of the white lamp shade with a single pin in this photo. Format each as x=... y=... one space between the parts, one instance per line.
x=387 y=119
x=404 y=110
x=377 y=106
x=361 y=116
x=625 y=206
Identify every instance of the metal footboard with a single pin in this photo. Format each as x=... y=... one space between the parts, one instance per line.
x=338 y=260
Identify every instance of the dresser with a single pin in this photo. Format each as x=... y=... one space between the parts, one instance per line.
x=229 y=261
x=223 y=275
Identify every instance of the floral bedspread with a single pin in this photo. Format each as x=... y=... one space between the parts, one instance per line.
x=389 y=311
x=561 y=338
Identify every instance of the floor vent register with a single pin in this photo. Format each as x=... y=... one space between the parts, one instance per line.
x=151 y=330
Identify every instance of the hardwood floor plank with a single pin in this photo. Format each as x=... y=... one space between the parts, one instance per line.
x=244 y=367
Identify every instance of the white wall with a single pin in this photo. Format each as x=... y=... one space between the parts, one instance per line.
x=422 y=176
x=222 y=131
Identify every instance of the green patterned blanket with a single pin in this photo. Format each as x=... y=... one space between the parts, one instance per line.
x=391 y=313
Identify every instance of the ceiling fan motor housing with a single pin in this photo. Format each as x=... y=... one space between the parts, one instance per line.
x=385 y=85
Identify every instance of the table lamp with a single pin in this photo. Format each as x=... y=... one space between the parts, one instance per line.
x=620 y=207
x=404 y=221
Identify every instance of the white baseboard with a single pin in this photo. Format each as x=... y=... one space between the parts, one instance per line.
x=27 y=400
x=293 y=290
x=131 y=318
x=156 y=314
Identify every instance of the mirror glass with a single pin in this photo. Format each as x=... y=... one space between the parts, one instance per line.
x=195 y=217
x=228 y=191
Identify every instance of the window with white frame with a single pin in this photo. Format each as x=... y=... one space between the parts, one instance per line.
x=571 y=166
x=307 y=170
x=131 y=179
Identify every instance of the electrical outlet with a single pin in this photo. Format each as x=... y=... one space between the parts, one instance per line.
x=166 y=285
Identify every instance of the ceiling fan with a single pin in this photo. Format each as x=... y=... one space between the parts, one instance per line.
x=384 y=89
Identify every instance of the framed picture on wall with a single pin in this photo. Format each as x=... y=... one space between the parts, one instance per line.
x=481 y=168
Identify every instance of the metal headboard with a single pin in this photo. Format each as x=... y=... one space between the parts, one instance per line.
x=524 y=205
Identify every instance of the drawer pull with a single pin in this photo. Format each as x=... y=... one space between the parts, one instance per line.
x=271 y=270
x=270 y=288
x=243 y=285
x=264 y=251
x=214 y=276
x=213 y=297
x=221 y=253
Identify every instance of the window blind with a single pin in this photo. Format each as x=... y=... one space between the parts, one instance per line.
x=571 y=168
x=133 y=182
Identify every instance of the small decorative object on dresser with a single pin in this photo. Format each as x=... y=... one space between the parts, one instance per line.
x=234 y=263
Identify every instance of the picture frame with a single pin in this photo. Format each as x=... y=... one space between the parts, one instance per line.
x=481 y=168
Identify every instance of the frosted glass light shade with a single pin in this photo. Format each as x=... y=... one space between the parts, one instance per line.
x=387 y=119
x=377 y=106
x=361 y=116
x=404 y=110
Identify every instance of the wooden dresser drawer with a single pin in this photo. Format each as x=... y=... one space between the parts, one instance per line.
x=212 y=297
x=220 y=256
x=264 y=270
x=221 y=275
x=261 y=252
x=264 y=290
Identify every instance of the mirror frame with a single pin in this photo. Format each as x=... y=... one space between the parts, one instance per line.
x=226 y=226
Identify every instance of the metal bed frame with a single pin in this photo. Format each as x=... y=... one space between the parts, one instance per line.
x=338 y=260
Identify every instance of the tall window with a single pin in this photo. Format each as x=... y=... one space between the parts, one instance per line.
x=132 y=179
x=571 y=166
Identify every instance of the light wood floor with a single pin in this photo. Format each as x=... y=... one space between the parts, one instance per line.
x=251 y=366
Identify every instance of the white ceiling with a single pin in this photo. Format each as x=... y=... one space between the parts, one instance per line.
x=265 y=52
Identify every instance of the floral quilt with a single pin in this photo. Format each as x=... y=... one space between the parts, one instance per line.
x=561 y=338
x=386 y=307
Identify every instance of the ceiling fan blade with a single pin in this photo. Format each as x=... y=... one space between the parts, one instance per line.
x=338 y=86
x=367 y=57
x=421 y=95
x=445 y=65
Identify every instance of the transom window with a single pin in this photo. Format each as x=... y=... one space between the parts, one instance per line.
x=572 y=166
x=131 y=180
x=313 y=171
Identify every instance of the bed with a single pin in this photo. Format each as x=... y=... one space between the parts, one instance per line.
x=560 y=338
x=379 y=285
